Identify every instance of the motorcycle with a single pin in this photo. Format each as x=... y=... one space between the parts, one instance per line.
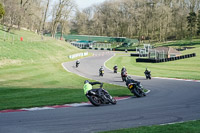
x=147 y=74
x=101 y=73
x=115 y=69
x=104 y=98
x=136 y=88
x=77 y=64
x=124 y=76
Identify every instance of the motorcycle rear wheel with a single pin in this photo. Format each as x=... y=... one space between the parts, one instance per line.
x=95 y=100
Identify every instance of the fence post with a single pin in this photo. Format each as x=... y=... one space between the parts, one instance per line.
x=4 y=36
x=12 y=39
x=8 y=36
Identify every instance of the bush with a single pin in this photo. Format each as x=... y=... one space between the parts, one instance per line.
x=2 y=11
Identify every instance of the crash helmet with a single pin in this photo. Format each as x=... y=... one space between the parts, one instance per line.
x=86 y=81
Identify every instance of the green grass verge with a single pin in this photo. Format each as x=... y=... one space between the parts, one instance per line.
x=184 y=69
x=31 y=73
x=15 y=98
x=186 y=127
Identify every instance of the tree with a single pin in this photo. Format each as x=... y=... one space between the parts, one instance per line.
x=2 y=11
x=22 y=13
x=191 y=22
x=60 y=12
x=45 y=15
x=198 y=23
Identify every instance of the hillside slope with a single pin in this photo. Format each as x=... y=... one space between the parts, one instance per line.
x=33 y=62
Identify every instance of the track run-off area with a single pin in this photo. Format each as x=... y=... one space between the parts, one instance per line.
x=169 y=101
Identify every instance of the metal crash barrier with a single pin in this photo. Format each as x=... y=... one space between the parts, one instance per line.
x=78 y=55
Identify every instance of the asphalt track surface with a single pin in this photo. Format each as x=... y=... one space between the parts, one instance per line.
x=169 y=101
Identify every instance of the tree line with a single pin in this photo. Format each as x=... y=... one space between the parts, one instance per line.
x=155 y=20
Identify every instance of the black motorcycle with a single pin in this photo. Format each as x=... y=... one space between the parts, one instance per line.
x=77 y=64
x=135 y=87
x=101 y=73
x=115 y=69
x=148 y=74
x=97 y=100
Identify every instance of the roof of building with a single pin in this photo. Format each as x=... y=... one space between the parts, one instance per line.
x=83 y=41
x=168 y=50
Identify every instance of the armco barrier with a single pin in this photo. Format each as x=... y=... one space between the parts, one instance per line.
x=134 y=54
x=118 y=49
x=78 y=55
x=166 y=59
x=137 y=54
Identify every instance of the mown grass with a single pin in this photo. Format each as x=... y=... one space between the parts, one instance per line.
x=186 y=127
x=184 y=69
x=14 y=98
x=31 y=73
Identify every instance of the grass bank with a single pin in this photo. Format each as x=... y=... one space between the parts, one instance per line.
x=31 y=73
x=186 y=127
x=183 y=69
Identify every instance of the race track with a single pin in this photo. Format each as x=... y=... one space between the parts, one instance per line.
x=169 y=101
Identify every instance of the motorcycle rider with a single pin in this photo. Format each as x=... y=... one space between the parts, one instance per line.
x=101 y=70
x=88 y=87
x=147 y=71
x=77 y=63
x=115 y=67
x=123 y=69
x=130 y=80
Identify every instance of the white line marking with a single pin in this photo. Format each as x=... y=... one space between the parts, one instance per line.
x=37 y=108
x=107 y=61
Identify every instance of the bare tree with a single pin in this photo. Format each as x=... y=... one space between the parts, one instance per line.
x=45 y=15
x=59 y=10
x=22 y=13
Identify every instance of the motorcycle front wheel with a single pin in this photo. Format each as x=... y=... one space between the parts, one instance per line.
x=137 y=92
x=111 y=99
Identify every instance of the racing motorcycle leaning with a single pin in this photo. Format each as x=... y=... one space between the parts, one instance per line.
x=97 y=99
x=77 y=63
x=147 y=74
x=101 y=73
x=135 y=87
x=115 y=69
